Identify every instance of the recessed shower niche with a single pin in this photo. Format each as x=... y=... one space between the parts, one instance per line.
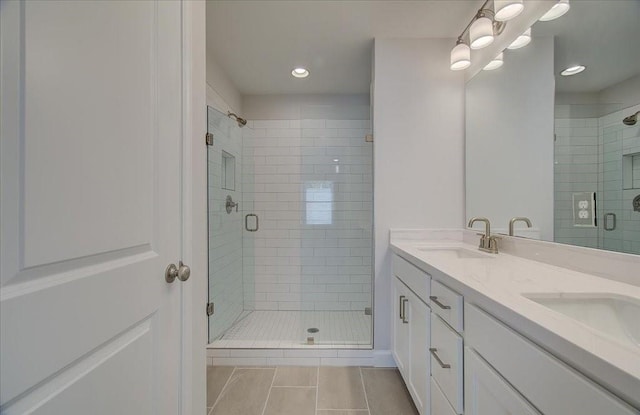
x=631 y=171
x=228 y=171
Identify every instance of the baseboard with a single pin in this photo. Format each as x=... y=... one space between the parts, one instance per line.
x=300 y=357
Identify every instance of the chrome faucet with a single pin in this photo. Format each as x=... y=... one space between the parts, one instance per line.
x=518 y=219
x=488 y=243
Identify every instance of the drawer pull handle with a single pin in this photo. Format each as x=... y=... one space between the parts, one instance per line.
x=404 y=311
x=442 y=364
x=400 y=307
x=442 y=306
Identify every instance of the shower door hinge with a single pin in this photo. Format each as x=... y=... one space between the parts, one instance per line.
x=368 y=138
x=209 y=309
x=209 y=139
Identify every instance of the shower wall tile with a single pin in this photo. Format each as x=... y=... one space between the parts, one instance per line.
x=574 y=172
x=310 y=183
x=576 y=169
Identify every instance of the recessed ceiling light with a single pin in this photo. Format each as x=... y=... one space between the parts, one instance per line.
x=572 y=70
x=300 y=72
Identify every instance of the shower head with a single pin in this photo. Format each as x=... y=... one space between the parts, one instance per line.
x=241 y=121
x=631 y=119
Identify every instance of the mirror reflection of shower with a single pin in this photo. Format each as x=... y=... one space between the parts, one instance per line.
x=241 y=121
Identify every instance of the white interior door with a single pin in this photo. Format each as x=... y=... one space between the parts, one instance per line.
x=91 y=128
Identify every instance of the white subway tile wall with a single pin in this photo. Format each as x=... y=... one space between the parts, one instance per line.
x=619 y=140
x=225 y=230
x=310 y=182
x=576 y=170
x=588 y=157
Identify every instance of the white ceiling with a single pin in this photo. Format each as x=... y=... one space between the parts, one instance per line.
x=258 y=42
x=602 y=35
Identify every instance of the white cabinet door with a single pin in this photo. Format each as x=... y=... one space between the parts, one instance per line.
x=486 y=393
x=401 y=352
x=90 y=207
x=419 y=333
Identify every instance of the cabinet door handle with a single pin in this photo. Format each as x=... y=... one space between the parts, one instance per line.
x=442 y=364
x=400 y=306
x=442 y=306
x=404 y=311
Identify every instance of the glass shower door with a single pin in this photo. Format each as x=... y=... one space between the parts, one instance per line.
x=225 y=225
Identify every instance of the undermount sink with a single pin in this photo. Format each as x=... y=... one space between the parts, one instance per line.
x=616 y=316
x=456 y=252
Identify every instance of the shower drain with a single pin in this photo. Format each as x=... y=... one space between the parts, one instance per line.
x=313 y=330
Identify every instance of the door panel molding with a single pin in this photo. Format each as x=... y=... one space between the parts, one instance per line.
x=54 y=385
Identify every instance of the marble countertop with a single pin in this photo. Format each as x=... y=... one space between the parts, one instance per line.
x=498 y=285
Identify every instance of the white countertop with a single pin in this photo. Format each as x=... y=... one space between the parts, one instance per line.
x=498 y=284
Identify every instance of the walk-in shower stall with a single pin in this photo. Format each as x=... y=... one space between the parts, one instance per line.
x=290 y=216
x=597 y=157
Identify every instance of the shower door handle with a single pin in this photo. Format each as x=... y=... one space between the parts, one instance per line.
x=246 y=222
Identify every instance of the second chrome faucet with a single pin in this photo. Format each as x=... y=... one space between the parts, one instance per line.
x=488 y=242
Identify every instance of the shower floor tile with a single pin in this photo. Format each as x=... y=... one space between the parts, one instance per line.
x=289 y=329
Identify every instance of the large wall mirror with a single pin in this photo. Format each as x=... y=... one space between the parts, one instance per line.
x=563 y=151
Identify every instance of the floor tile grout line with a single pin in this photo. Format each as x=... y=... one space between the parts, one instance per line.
x=366 y=398
x=223 y=389
x=264 y=408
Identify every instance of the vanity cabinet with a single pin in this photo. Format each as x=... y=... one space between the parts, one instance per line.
x=411 y=332
x=401 y=335
x=457 y=359
x=486 y=393
x=548 y=383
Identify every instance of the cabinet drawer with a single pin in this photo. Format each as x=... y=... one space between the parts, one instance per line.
x=448 y=304
x=439 y=404
x=446 y=361
x=417 y=280
x=549 y=384
x=486 y=393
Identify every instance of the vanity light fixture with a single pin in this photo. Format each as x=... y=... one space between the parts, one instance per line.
x=300 y=72
x=495 y=63
x=481 y=32
x=558 y=9
x=521 y=41
x=507 y=9
x=573 y=70
x=460 y=56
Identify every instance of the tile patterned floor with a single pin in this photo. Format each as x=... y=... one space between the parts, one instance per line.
x=306 y=391
x=288 y=329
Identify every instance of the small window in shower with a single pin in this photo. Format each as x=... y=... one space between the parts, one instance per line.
x=228 y=171
x=319 y=202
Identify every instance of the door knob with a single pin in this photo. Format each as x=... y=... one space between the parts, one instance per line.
x=182 y=272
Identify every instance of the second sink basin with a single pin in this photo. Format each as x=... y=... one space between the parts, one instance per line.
x=616 y=316
x=455 y=252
